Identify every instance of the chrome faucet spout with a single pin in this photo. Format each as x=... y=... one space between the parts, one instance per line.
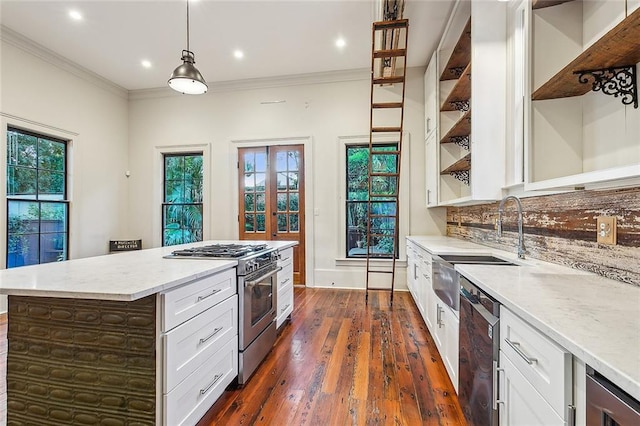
x=521 y=247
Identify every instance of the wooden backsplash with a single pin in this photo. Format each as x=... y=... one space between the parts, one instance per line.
x=561 y=229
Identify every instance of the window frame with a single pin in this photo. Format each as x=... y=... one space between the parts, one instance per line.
x=164 y=203
x=347 y=202
x=36 y=197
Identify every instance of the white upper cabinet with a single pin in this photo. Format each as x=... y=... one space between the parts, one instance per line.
x=472 y=91
x=576 y=137
x=431 y=97
x=431 y=170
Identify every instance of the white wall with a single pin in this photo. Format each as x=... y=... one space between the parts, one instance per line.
x=322 y=112
x=39 y=95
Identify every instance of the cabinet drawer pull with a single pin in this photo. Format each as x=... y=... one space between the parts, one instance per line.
x=285 y=259
x=216 y=291
x=215 y=379
x=439 y=316
x=204 y=339
x=285 y=281
x=496 y=372
x=285 y=308
x=516 y=347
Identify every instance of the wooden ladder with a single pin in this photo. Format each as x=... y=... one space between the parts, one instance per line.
x=388 y=68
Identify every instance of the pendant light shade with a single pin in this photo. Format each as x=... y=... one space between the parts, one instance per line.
x=186 y=78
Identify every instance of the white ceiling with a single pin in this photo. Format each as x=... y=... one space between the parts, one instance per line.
x=278 y=38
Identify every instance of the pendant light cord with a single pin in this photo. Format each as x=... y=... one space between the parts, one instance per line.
x=188 y=26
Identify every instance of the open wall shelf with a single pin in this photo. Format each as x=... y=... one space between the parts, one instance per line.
x=458 y=99
x=540 y=4
x=462 y=165
x=460 y=57
x=459 y=131
x=620 y=47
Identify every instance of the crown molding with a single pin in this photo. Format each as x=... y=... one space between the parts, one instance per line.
x=262 y=83
x=25 y=44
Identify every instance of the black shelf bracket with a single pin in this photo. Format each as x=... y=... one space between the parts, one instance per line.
x=461 y=141
x=461 y=175
x=616 y=81
x=460 y=105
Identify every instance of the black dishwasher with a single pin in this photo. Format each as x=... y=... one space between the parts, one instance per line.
x=478 y=356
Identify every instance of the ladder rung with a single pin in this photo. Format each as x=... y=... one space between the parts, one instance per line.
x=385 y=152
x=379 y=272
x=388 y=80
x=380 y=105
x=386 y=129
x=379 y=235
x=380 y=216
x=384 y=174
x=385 y=197
x=383 y=25
x=389 y=53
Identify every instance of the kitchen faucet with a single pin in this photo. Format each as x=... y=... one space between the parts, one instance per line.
x=521 y=248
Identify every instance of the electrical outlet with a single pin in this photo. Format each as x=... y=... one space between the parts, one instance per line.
x=606 y=230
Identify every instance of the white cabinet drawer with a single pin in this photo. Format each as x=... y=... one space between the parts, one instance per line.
x=285 y=277
x=285 y=305
x=285 y=257
x=191 y=399
x=187 y=301
x=189 y=344
x=540 y=360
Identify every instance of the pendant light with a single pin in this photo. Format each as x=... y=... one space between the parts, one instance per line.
x=186 y=78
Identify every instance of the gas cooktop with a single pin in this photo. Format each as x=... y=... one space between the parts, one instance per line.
x=220 y=250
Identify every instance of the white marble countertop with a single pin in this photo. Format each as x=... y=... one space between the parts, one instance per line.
x=122 y=276
x=595 y=318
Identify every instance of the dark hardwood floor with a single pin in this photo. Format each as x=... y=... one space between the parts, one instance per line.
x=341 y=362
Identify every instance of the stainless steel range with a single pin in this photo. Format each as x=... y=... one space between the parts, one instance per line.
x=257 y=291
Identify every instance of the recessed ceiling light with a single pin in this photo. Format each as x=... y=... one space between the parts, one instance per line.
x=238 y=54
x=340 y=43
x=145 y=63
x=75 y=15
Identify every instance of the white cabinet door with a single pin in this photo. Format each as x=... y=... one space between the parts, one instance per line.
x=451 y=344
x=431 y=97
x=431 y=170
x=521 y=403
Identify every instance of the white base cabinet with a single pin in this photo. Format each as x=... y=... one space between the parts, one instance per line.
x=198 y=346
x=284 y=299
x=440 y=319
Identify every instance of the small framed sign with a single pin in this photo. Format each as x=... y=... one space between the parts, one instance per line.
x=125 y=245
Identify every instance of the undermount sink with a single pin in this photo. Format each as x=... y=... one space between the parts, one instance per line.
x=473 y=259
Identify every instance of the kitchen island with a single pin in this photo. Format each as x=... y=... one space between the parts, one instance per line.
x=90 y=340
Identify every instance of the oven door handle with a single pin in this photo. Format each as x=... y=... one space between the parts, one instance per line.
x=256 y=281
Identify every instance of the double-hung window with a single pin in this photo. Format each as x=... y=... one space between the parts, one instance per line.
x=182 y=206
x=357 y=197
x=37 y=205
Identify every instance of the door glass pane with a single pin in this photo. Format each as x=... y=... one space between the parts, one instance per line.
x=261 y=179
x=293 y=181
x=282 y=201
x=261 y=162
x=293 y=201
x=261 y=202
x=282 y=181
x=293 y=222
x=249 y=162
x=282 y=223
x=281 y=161
x=249 y=226
x=261 y=223
x=249 y=182
x=249 y=202
x=293 y=160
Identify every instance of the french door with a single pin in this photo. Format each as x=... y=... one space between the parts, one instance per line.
x=271 y=185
